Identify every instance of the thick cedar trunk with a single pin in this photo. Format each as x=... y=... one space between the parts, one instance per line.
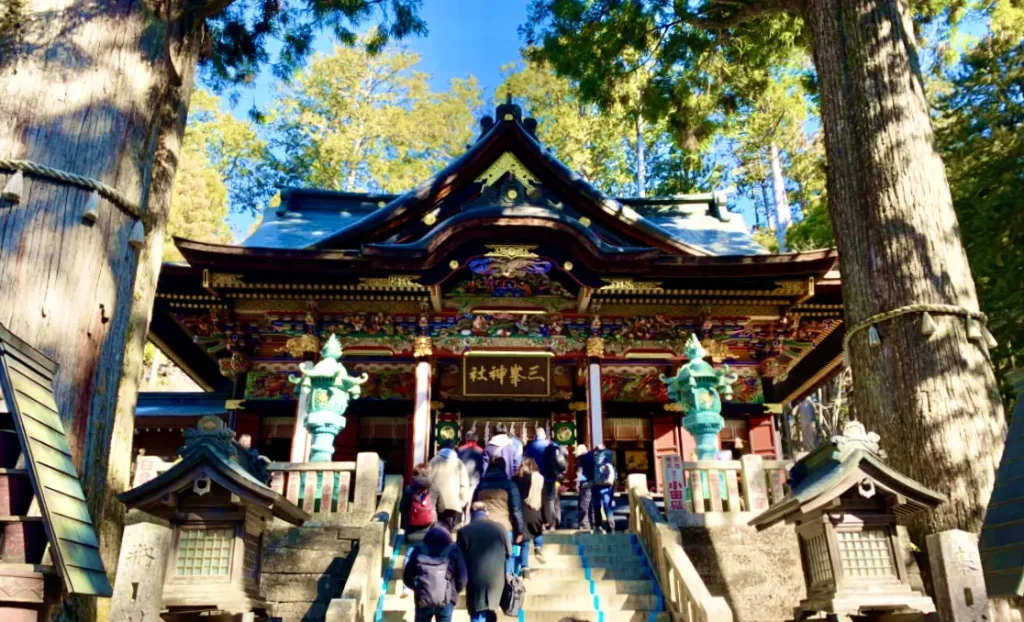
x=93 y=90
x=934 y=401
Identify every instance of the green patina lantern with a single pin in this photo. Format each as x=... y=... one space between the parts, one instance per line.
x=699 y=389
x=329 y=390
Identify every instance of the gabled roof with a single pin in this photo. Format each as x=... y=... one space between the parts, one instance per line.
x=547 y=191
x=1002 y=539
x=26 y=378
x=212 y=454
x=838 y=465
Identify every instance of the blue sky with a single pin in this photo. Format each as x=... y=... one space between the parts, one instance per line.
x=466 y=37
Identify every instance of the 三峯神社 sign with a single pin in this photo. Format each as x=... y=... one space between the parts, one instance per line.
x=487 y=374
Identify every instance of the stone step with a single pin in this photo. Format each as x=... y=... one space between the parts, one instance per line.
x=629 y=560
x=622 y=573
x=591 y=548
x=569 y=586
x=552 y=602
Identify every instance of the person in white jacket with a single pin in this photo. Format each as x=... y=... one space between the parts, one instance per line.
x=449 y=481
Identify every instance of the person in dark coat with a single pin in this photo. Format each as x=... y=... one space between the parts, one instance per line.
x=554 y=466
x=420 y=482
x=435 y=541
x=500 y=497
x=474 y=458
x=485 y=546
x=531 y=486
x=535 y=448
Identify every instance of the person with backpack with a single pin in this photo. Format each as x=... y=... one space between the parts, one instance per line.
x=584 y=509
x=531 y=485
x=501 y=446
x=449 y=480
x=436 y=573
x=417 y=506
x=603 y=489
x=535 y=448
x=485 y=546
x=553 y=469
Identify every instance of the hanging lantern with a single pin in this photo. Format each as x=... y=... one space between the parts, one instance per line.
x=928 y=326
x=874 y=340
x=14 y=187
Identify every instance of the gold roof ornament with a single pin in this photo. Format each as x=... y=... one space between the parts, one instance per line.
x=507 y=163
x=717 y=351
x=511 y=251
x=595 y=347
x=422 y=347
x=629 y=285
x=392 y=282
x=296 y=347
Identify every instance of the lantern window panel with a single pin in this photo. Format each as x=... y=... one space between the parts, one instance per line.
x=204 y=552
x=866 y=554
x=818 y=562
x=251 y=561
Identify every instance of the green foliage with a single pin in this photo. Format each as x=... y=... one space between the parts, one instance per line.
x=979 y=130
x=357 y=121
x=241 y=33
x=779 y=116
x=813 y=232
x=589 y=142
x=199 y=201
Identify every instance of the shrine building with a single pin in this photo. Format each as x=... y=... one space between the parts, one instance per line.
x=504 y=289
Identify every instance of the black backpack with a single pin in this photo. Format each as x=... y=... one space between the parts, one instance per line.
x=433 y=576
x=513 y=595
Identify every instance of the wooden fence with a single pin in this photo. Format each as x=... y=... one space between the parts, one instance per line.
x=685 y=595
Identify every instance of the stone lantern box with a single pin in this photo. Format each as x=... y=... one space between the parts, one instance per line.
x=845 y=503
x=216 y=502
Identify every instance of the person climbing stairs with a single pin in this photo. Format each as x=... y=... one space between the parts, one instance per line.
x=583 y=577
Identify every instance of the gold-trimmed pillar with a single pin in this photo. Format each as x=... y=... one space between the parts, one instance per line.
x=595 y=411
x=422 y=351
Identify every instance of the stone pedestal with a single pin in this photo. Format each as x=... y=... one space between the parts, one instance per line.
x=27 y=592
x=141 y=568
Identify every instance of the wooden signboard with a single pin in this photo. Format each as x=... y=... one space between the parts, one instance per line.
x=506 y=374
x=26 y=377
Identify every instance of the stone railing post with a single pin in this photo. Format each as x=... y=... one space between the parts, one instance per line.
x=755 y=487
x=367 y=477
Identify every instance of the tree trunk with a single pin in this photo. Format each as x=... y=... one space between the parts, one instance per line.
x=934 y=400
x=98 y=89
x=641 y=159
x=783 y=215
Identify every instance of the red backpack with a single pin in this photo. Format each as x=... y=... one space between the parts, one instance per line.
x=421 y=512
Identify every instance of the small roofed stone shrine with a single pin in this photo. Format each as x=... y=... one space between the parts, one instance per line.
x=217 y=502
x=845 y=503
x=506 y=289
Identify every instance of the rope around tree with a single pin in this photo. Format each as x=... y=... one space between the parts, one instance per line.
x=976 y=321
x=108 y=192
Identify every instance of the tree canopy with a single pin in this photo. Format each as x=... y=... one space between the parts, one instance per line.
x=360 y=121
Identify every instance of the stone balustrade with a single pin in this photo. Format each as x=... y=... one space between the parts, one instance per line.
x=317 y=487
x=377 y=546
x=730 y=492
x=684 y=592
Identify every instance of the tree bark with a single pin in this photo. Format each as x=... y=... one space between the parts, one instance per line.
x=100 y=89
x=934 y=400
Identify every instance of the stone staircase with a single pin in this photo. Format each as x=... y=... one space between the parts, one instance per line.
x=584 y=577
